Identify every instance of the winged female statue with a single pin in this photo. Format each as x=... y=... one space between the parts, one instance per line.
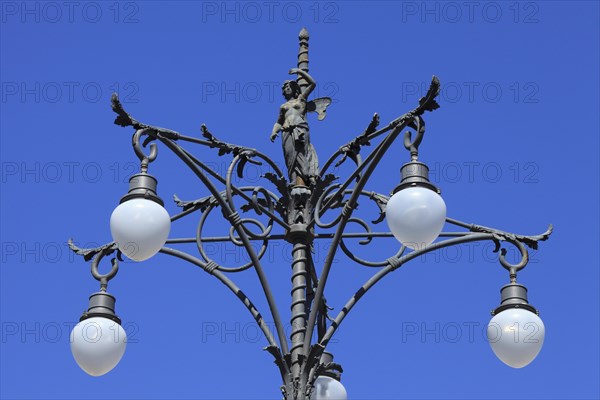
x=300 y=156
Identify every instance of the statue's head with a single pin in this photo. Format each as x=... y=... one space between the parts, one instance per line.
x=290 y=89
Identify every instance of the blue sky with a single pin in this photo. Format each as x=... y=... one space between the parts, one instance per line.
x=513 y=146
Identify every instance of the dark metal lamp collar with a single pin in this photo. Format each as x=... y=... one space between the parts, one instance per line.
x=102 y=305
x=415 y=173
x=514 y=295
x=142 y=186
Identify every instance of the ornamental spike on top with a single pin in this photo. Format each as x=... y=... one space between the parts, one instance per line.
x=303 y=57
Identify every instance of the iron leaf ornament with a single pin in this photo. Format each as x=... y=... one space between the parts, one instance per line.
x=530 y=241
x=428 y=102
x=88 y=254
x=200 y=204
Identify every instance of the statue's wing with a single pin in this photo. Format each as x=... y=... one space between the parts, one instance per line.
x=319 y=106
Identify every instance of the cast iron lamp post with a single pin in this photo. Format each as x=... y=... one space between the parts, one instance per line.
x=415 y=214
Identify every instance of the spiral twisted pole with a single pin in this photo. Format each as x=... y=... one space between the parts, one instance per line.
x=298 y=307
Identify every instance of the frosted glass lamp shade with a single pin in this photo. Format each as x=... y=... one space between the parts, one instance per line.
x=327 y=388
x=416 y=216
x=98 y=344
x=140 y=227
x=516 y=336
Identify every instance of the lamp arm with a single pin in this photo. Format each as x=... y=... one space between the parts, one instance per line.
x=478 y=233
x=393 y=264
x=246 y=154
x=346 y=214
x=235 y=220
x=97 y=254
x=426 y=103
x=520 y=241
x=352 y=148
x=168 y=137
x=411 y=119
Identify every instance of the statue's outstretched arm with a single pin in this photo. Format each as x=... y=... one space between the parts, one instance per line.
x=311 y=82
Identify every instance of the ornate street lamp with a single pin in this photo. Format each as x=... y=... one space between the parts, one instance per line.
x=302 y=198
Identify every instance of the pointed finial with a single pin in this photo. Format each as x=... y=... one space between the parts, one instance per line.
x=303 y=35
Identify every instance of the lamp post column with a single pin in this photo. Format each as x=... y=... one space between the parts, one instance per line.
x=299 y=237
